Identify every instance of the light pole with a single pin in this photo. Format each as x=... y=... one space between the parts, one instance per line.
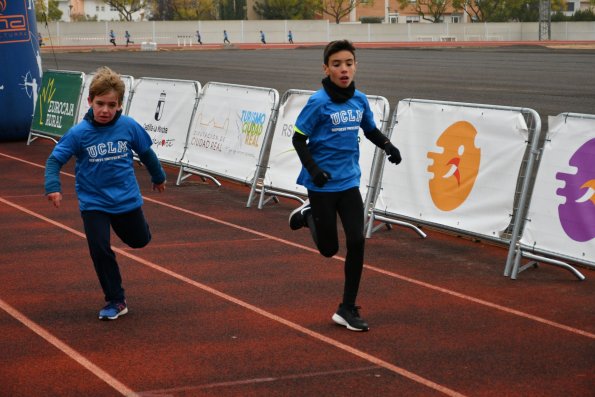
x=386 y=10
x=545 y=20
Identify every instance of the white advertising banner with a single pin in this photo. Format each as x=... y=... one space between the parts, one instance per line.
x=561 y=215
x=84 y=104
x=165 y=109
x=228 y=130
x=284 y=164
x=460 y=165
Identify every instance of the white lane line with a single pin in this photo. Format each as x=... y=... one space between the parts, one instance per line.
x=315 y=335
x=69 y=351
x=241 y=382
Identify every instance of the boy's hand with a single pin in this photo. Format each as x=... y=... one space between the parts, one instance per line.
x=160 y=187
x=394 y=156
x=55 y=198
x=321 y=178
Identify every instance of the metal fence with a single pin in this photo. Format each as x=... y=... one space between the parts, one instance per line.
x=183 y=33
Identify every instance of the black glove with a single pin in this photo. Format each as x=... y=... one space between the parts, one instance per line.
x=320 y=177
x=394 y=156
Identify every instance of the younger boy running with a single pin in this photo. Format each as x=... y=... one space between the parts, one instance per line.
x=326 y=141
x=106 y=185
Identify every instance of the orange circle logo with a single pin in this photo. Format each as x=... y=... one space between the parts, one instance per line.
x=455 y=169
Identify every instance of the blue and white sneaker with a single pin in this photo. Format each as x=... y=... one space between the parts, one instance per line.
x=113 y=310
x=297 y=218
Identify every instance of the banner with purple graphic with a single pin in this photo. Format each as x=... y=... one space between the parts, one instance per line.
x=165 y=109
x=20 y=68
x=460 y=165
x=562 y=209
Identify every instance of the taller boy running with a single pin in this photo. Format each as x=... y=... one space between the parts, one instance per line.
x=326 y=141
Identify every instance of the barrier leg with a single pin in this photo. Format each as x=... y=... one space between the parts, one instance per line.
x=393 y=222
x=550 y=261
x=190 y=172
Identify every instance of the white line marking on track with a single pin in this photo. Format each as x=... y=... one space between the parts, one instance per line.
x=186 y=389
x=315 y=335
x=69 y=351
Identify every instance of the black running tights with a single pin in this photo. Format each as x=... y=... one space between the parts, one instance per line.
x=323 y=226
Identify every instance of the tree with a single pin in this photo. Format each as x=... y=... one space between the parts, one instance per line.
x=160 y=10
x=503 y=10
x=583 y=15
x=53 y=13
x=286 y=9
x=485 y=10
x=126 y=7
x=428 y=10
x=338 y=9
x=193 y=9
x=232 y=9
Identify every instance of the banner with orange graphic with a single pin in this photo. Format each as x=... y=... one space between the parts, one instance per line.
x=562 y=210
x=460 y=165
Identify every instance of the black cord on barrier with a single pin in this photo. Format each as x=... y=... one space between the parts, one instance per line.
x=47 y=28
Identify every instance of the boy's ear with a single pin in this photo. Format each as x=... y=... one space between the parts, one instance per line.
x=89 y=100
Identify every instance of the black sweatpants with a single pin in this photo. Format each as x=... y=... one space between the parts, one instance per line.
x=131 y=227
x=349 y=205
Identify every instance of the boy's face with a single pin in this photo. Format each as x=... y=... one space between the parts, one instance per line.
x=105 y=106
x=341 y=68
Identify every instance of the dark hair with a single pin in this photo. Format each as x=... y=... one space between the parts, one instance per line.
x=335 y=46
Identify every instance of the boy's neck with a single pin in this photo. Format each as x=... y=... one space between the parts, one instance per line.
x=336 y=93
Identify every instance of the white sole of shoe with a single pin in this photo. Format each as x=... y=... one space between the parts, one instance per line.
x=114 y=317
x=341 y=321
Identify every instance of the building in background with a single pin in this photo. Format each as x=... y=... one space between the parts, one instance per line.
x=390 y=12
x=573 y=6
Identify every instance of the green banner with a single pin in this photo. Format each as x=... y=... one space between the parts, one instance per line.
x=57 y=103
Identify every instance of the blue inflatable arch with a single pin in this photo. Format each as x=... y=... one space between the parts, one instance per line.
x=20 y=68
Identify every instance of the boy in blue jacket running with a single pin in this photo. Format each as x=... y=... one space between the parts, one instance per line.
x=106 y=185
x=326 y=141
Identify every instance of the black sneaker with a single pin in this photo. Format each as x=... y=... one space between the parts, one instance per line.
x=348 y=316
x=297 y=218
